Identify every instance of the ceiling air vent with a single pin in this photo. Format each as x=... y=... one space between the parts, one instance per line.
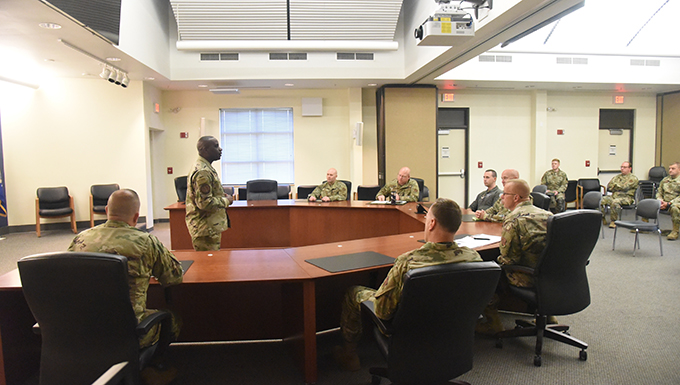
x=653 y=63
x=637 y=62
x=229 y=56
x=487 y=58
x=344 y=56
x=563 y=60
x=364 y=56
x=278 y=56
x=297 y=56
x=210 y=57
x=580 y=60
x=503 y=59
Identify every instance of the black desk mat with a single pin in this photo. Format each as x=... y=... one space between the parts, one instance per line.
x=351 y=261
x=186 y=265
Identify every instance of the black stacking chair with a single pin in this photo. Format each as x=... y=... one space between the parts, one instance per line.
x=591 y=201
x=367 y=193
x=54 y=202
x=647 y=189
x=561 y=284
x=585 y=185
x=181 y=188
x=649 y=209
x=570 y=193
x=657 y=173
x=99 y=198
x=430 y=337
x=540 y=188
x=81 y=302
x=541 y=200
x=262 y=190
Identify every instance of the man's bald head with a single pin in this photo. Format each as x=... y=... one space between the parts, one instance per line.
x=404 y=176
x=508 y=174
x=123 y=205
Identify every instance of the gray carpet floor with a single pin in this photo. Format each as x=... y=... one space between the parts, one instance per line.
x=631 y=327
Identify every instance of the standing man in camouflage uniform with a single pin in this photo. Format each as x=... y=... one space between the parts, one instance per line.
x=404 y=187
x=623 y=187
x=488 y=197
x=557 y=181
x=669 y=195
x=206 y=202
x=522 y=242
x=146 y=255
x=441 y=224
x=498 y=212
x=330 y=190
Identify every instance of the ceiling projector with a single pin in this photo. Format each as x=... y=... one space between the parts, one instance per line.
x=446 y=26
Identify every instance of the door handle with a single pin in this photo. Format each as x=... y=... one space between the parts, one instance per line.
x=460 y=173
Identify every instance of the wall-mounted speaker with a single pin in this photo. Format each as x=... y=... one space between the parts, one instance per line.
x=359 y=132
x=312 y=107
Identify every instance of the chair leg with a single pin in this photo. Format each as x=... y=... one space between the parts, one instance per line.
x=91 y=218
x=540 y=330
x=636 y=244
x=37 y=217
x=614 y=240
x=565 y=338
x=660 y=244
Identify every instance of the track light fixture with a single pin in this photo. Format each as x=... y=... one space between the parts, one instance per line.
x=115 y=76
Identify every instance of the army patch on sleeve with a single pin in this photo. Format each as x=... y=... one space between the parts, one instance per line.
x=205 y=188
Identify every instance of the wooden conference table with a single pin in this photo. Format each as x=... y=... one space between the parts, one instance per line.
x=262 y=293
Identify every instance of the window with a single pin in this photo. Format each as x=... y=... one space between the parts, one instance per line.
x=257 y=144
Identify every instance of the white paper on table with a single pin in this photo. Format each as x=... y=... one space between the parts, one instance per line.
x=478 y=240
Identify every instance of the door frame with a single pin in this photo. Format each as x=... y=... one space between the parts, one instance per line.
x=466 y=127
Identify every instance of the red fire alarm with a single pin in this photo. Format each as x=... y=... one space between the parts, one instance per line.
x=169 y=170
x=480 y=164
x=587 y=163
x=183 y=135
x=560 y=132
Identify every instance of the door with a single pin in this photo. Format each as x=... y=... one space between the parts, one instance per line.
x=452 y=171
x=615 y=144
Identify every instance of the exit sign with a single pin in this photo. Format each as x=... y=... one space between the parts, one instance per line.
x=618 y=99
x=448 y=97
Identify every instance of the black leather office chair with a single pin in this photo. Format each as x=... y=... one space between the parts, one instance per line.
x=242 y=194
x=561 y=283
x=421 y=188
x=262 y=190
x=540 y=188
x=570 y=193
x=585 y=185
x=303 y=191
x=367 y=193
x=81 y=302
x=181 y=188
x=431 y=335
x=591 y=201
x=348 y=184
x=117 y=374
x=541 y=200
x=99 y=198
x=657 y=173
x=54 y=202
x=649 y=209
x=283 y=192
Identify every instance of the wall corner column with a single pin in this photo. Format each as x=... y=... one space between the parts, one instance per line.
x=539 y=136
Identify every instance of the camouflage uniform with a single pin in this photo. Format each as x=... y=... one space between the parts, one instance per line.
x=206 y=207
x=408 y=192
x=146 y=257
x=556 y=181
x=497 y=212
x=623 y=193
x=486 y=199
x=523 y=240
x=387 y=296
x=336 y=191
x=669 y=191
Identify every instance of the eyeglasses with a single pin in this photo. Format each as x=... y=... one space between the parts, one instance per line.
x=504 y=193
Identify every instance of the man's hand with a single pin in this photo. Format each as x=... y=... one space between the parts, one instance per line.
x=381 y=198
x=396 y=196
x=664 y=205
x=230 y=198
x=312 y=198
x=480 y=214
x=325 y=199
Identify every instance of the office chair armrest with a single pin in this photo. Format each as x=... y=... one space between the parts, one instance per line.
x=385 y=326
x=517 y=268
x=150 y=321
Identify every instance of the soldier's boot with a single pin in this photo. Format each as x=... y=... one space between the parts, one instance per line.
x=674 y=234
x=604 y=219
x=614 y=216
x=346 y=356
x=491 y=324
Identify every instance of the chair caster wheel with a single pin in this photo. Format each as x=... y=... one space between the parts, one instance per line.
x=537 y=360
x=499 y=343
x=375 y=380
x=583 y=355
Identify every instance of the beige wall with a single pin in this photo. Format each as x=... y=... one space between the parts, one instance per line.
x=77 y=132
x=670 y=130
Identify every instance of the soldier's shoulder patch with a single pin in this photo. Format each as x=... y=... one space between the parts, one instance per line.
x=205 y=188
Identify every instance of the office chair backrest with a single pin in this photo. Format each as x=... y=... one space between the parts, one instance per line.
x=648 y=208
x=592 y=200
x=434 y=324
x=570 y=192
x=348 y=184
x=589 y=184
x=540 y=188
x=81 y=302
x=303 y=191
x=561 y=280
x=262 y=189
x=648 y=189
x=181 y=188
x=421 y=188
x=367 y=193
x=100 y=195
x=53 y=198
x=283 y=192
x=541 y=200
x=657 y=173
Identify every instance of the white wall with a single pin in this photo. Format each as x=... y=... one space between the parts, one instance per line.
x=73 y=133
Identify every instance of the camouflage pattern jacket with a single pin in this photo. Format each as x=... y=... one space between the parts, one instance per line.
x=523 y=240
x=497 y=212
x=336 y=191
x=408 y=192
x=623 y=186
x=669 y=190
x=206 y=205
x=486 y=199
x=430 y=254
x=146 y=257
x=555 y=180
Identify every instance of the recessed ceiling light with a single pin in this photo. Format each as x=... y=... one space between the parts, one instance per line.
x=112 y=59
x=149 y=78
x=372 y=84
x=50 y=25
x=203 y=85
x=289 y=84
